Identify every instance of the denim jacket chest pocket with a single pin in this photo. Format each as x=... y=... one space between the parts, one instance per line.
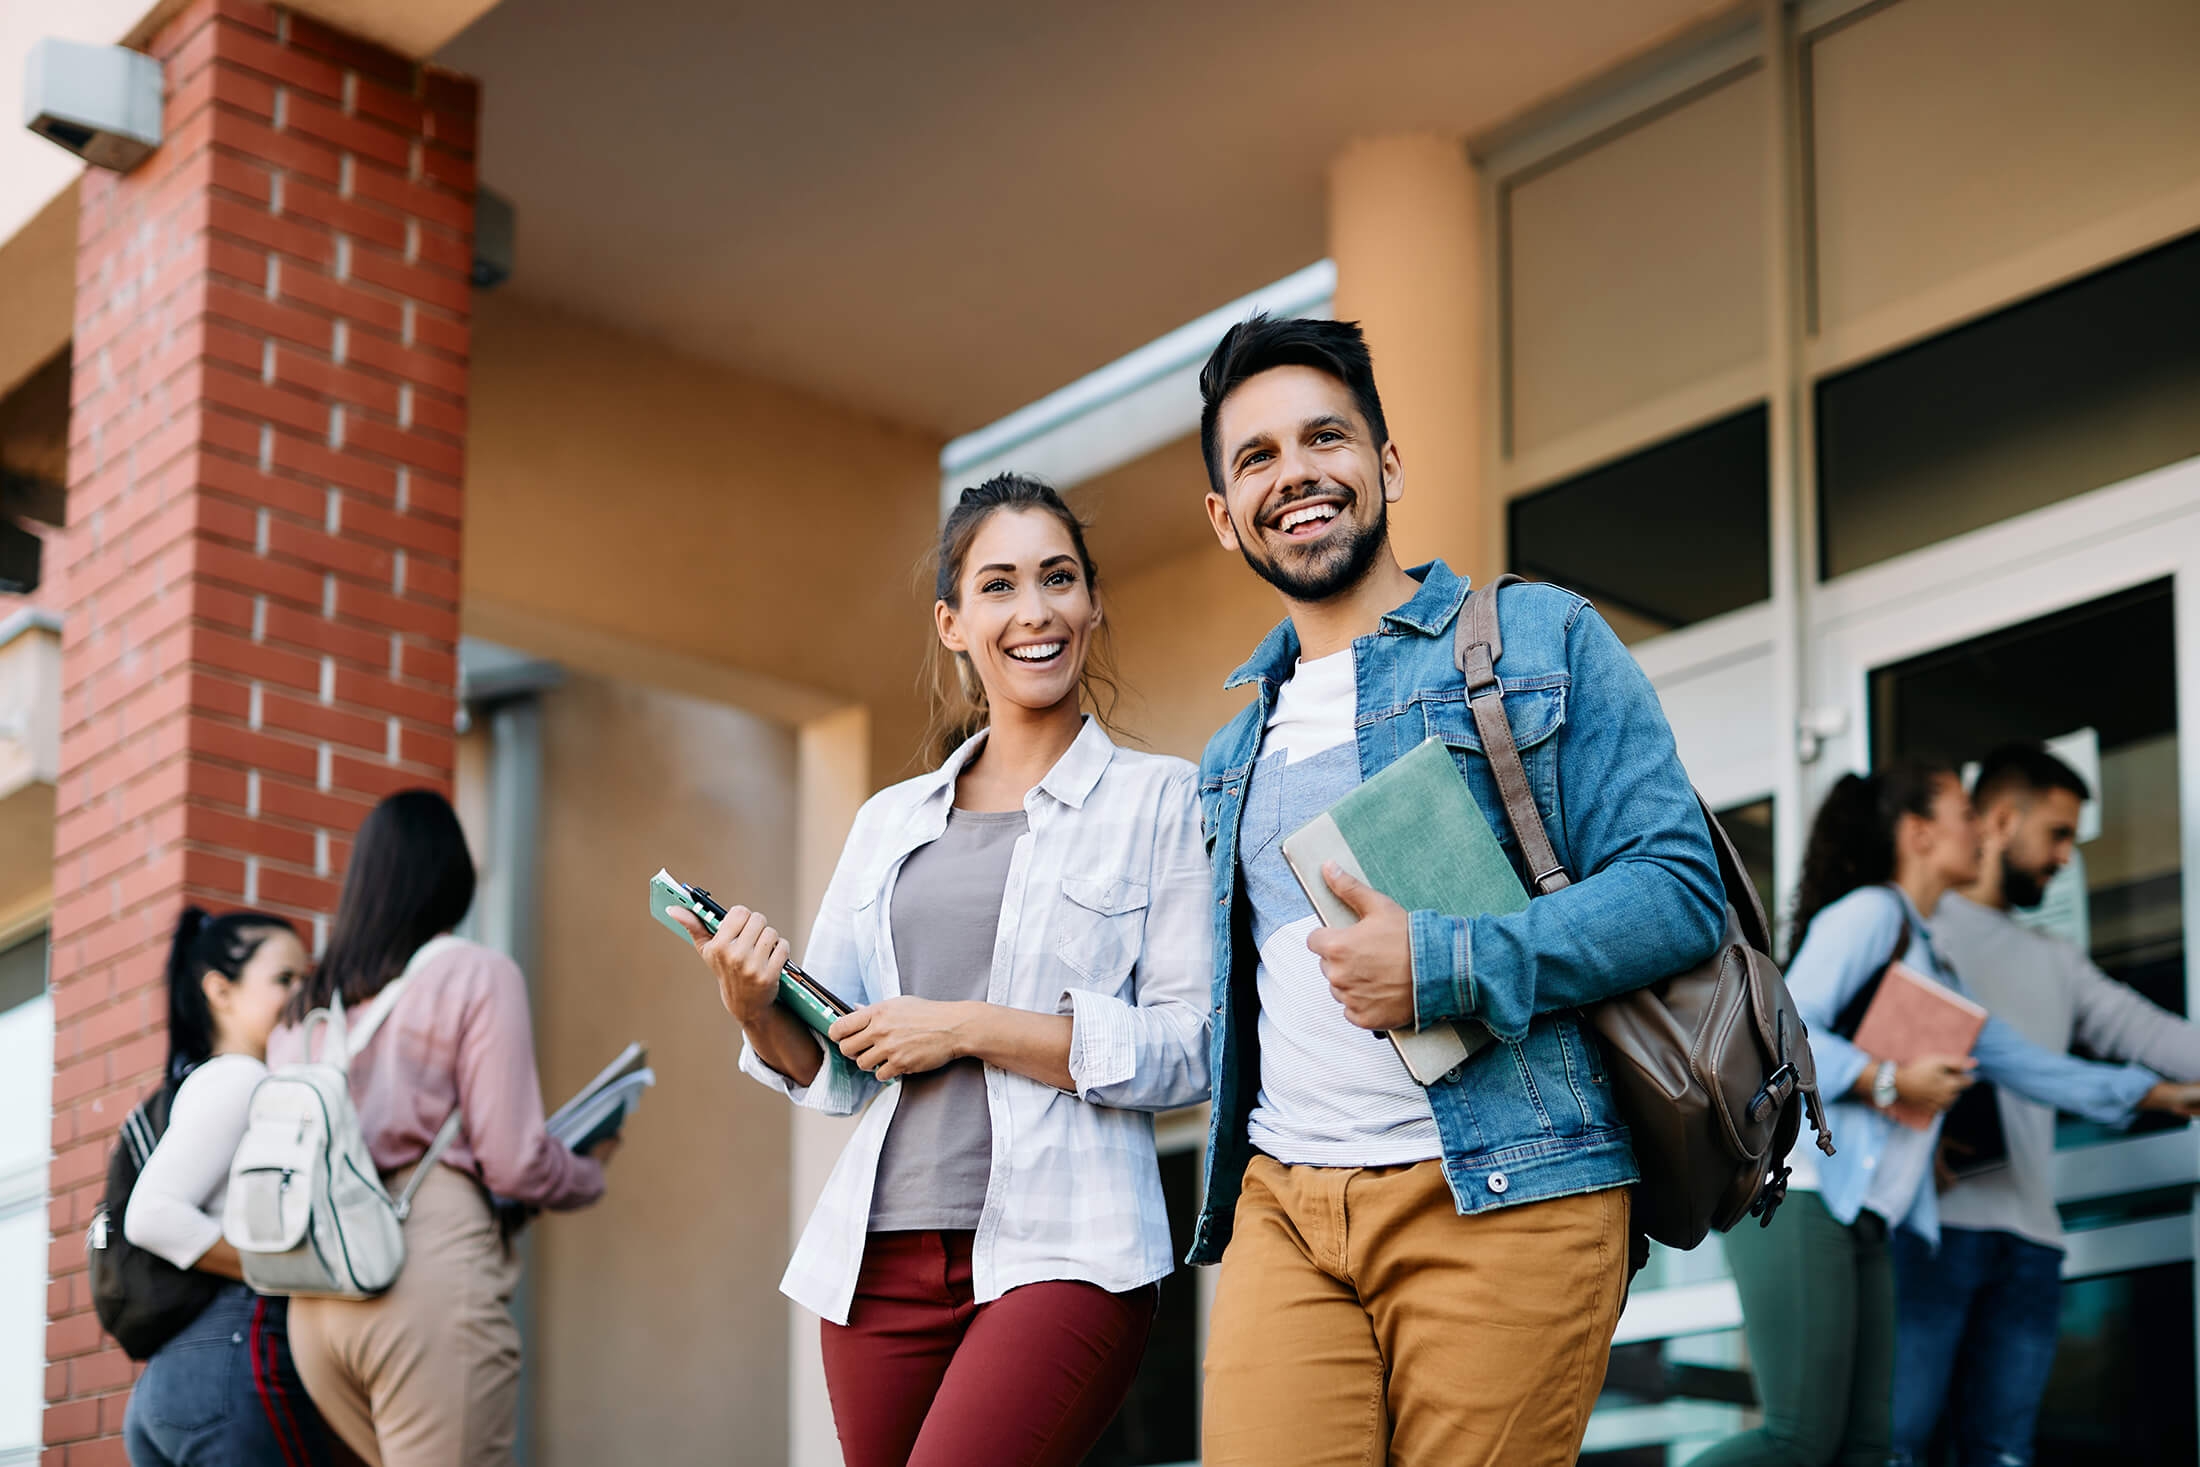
x=1102 y=928
x=1537 y=712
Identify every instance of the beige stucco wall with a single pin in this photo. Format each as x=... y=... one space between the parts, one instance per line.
x=1181 y=628
x=659 y=1331
x=1405 y=228
x=619 y=487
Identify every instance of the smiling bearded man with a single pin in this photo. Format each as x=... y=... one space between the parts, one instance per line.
x=1413 y=1275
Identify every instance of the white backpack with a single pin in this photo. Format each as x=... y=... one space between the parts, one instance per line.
x=307 y=1212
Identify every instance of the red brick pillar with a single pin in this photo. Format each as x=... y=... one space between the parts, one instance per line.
x=260 y=572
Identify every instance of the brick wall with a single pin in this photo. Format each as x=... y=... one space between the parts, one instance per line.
x=260 y=572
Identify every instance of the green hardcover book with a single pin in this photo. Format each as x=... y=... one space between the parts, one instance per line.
x=1415 y=834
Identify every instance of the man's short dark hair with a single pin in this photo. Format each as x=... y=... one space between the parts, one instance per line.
x=2025 y=769
x=1259 y=343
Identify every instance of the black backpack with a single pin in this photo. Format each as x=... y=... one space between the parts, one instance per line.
x=142 y=1299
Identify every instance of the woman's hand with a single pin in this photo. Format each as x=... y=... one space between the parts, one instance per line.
x=745 y=957
x=903 y=1036
x=1934 y=1081
x=2178 y=1100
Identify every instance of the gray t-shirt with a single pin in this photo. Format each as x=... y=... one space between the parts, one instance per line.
x=938 y=1154
x=2053 y=995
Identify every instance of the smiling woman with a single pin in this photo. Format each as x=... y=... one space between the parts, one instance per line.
x=1025 y=930
x=1020 y=516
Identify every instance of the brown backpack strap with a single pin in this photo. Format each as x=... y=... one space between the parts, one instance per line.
x=1476 y=649
x=1741 y=892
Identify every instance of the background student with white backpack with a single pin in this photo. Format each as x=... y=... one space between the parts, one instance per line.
x=427 y=1373
x=221 y=1390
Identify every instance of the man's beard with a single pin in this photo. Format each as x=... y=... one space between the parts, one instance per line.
x=1340 y=563
x=2021 y=888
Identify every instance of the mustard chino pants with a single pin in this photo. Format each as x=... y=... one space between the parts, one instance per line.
x=1360 y=1320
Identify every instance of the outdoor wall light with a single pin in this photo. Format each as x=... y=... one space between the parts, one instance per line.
x=102 y=103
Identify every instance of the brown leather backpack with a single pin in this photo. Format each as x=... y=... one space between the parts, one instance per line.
x=1711 y=1067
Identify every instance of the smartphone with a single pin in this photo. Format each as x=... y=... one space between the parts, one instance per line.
x=811 y=1001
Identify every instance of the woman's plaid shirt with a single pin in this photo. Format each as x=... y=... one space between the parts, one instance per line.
x=1104 y=918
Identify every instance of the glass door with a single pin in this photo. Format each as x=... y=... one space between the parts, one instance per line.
x=2123 y=1387
x=2077 y=623
x=2076 y=626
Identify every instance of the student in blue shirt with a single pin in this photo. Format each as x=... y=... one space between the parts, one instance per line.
x=1817 y=1287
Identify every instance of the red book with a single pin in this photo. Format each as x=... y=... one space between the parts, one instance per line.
x=1910 y=1017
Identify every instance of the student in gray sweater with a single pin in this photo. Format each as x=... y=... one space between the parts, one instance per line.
x=1976 y=1321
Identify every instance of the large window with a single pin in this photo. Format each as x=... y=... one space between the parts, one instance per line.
x=2122 y=1388
x=1663 y=538
x=1950 y=139
x=1634 y=263
x=2073 y=390
x=26 y=1125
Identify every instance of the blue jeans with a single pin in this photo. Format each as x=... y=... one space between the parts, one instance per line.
x=1975 y=1336
x=223 y=1393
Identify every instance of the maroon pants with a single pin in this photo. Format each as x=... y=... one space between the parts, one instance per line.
x=922 y=1375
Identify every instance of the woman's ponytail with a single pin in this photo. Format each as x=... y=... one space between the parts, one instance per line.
x=1852 y=838
x=190 y=1021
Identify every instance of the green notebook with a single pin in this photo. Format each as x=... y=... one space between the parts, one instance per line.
x=811 y=1001
x=1415 y=834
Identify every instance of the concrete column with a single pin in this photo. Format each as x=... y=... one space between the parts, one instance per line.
x=833 y=775
x=1405 y=231
x=260 y=570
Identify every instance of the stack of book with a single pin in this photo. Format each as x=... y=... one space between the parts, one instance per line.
x=601 y=1107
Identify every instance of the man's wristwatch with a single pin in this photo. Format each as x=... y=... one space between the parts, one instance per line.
x=1883 y=1092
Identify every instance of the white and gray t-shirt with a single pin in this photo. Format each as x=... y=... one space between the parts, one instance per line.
x=1331 y=1093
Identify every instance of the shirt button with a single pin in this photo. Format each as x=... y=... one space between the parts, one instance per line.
x=1498 y=1184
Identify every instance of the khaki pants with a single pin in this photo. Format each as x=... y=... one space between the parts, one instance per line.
x=427 y=1375
x=1360 y=1320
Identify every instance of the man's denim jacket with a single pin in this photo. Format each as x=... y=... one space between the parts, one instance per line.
x=1531 y=1117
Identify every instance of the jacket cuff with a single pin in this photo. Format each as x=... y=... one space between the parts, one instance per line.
x=817 y=1095
x=1443 y=970
x=1103 y=1040
x=2131 y=1087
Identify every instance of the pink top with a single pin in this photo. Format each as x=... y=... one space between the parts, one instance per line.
x=460 y=1035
